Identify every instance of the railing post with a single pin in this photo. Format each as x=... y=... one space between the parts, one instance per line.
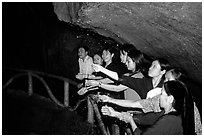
x=90 y=115
x=30 y=84
x=128 y=131
x=66 y=93
x=115 y=129
x=98 y=116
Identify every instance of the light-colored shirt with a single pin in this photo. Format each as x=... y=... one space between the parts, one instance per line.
x=85 y=67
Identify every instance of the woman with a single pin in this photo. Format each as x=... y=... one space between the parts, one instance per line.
x=171 y=122
x=97 y=59
x=150 y=104
x=134 y=63
x=141 y=86
x=110 y=58
x=124 y=50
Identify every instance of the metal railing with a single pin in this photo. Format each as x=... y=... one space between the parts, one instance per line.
x=39 y=76
x=91 y=104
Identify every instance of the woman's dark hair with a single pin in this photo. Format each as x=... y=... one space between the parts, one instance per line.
x=127 y=47
x=188 y=122
x=179 y=74
x=98 y=53
x=183 y=103
x=165 y=65
x=178 y=90
x=109 y=48
x=113 y=50
x=138 y=58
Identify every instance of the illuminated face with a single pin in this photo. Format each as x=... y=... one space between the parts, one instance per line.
x=130 y=64
x=169 y=76
x=82 y=53
x=123 y=56
x=106 y=55
x=155 y=69
x=164 y=102
x=97 y=59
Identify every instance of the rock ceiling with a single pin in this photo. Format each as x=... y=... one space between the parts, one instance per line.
x=169 y=30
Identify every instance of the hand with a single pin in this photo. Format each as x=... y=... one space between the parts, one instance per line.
x=80 y=85
x=92 y=83
x=109 y=111
x=91 y=77
x=80 y=76
x=97 y=68
x=82 y=91
x=126 y=117
x=104 y=98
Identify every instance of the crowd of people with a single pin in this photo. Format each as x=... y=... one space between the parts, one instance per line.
x=152 y=86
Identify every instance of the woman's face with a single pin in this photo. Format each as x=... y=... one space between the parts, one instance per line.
x=155 y=69
x=97 y=59
x=106 y=55
x=130 y=64
x=123 y=56
x=164 y=99
x=169 y=76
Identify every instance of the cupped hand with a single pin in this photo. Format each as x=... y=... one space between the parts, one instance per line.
x=109 y=111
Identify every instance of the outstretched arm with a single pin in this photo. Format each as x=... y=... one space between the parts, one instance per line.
x=112 y=74
x=110 y=87
x=121 y=102
x=115 y=88
x=109 y=111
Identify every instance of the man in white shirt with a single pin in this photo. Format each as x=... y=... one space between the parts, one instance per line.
x=85 y=63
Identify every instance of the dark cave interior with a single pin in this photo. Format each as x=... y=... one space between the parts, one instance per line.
x=33 y=38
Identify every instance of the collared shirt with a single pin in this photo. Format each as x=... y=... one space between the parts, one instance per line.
x=85 y=67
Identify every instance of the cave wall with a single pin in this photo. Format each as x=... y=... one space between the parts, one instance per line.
x=159 y=29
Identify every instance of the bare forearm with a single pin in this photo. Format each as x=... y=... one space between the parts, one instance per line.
x=105 y=80
x=133 y=125
x=115 y=88
x=111 y=74
x=126 y=103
